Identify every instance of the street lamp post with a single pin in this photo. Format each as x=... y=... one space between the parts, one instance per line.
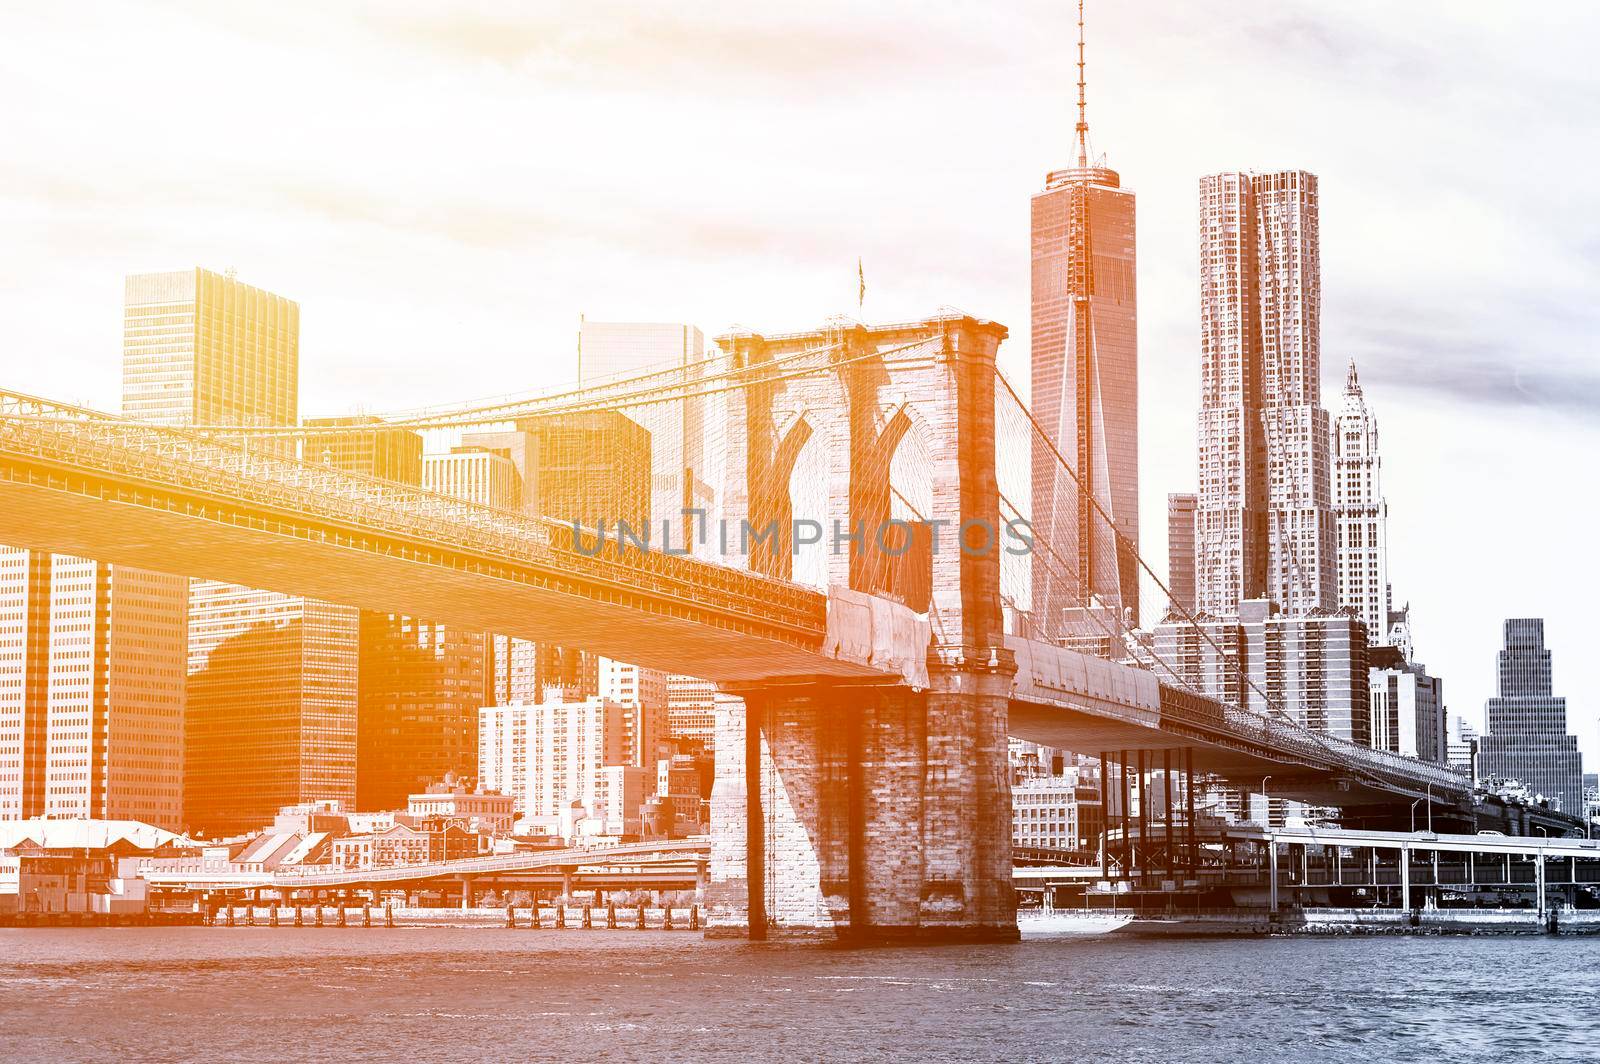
x=1538 y=870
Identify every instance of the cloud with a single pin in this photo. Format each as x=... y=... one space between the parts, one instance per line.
x=1453 y=369
x=833 y=47
x=1506 y=341
x=630 y=45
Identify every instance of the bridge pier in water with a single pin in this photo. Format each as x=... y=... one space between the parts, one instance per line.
x=865 y=812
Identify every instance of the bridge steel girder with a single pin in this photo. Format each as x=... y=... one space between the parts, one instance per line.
x=143 y=523
x=1081 y=729
x=1078 y=702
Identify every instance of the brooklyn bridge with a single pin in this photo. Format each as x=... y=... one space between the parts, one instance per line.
x=861 y=563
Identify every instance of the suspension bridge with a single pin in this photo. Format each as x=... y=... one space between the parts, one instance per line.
x=856 y=557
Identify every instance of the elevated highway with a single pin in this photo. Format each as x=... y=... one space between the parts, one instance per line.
x=674 y=861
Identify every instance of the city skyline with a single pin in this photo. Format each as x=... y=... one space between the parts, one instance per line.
x=630 y=476
x=1431 y=500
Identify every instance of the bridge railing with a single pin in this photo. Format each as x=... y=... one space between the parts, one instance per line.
x=1313 y=748
x=193 y=462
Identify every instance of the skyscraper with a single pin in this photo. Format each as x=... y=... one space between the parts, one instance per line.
x=1085 y=389
x=519 y=668
x=1462 y=747
x=477 y=474
x=492 y=468
x=593 y=468
x=547 y=755
x=678 y=447
x=1527 y=738
x=515 y=675
x=273 y=689
x=271 y=697
x=91 y=689
x=421 y=687
x=644 y=693
x=1361 y=513
x=92 y=707
x=24 y=681
x=691 y=710
x=1180 y=549
x=1408 y=714
x=200 y=348
x=520 y=447
x=1314 y=668
x=1264 y=524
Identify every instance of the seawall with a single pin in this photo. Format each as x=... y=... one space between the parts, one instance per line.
x=1372 y=922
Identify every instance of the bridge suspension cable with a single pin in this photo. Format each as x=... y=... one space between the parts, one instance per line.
x=1110 y=621
x=695 y=462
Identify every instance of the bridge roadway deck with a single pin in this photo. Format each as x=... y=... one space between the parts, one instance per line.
x=131 y=496
x=1079 y=702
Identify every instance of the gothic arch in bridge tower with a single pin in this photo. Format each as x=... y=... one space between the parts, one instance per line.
x=776 y=501
x=908 y=577
x=802 y=497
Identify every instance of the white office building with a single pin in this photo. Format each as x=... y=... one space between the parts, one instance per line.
x=1361 y=514
x=548 y=756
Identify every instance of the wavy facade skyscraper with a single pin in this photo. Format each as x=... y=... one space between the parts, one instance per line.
x=1264 y=523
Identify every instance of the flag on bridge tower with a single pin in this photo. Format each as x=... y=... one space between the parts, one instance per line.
x=861 y=284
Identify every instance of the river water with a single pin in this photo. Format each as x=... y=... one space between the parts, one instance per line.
x=426 y=994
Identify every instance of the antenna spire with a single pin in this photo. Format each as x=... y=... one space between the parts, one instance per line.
x=1083 y=121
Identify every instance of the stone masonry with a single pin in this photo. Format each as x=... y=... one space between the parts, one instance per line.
x=861 y=810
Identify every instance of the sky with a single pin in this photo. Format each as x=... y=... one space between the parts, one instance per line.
x=445 y=189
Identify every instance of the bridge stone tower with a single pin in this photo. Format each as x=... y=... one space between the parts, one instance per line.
x=872 y=810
